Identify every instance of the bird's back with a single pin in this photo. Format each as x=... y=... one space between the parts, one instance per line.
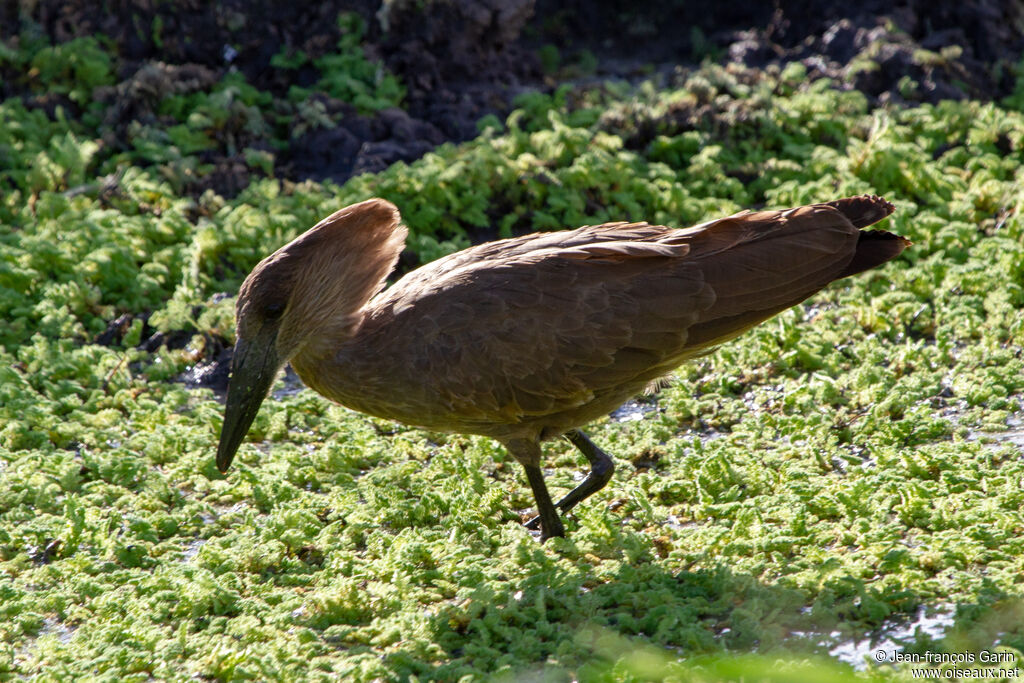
x=528 y=337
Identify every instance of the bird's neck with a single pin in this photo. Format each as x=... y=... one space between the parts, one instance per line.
x=338 y=310
x=332 y=333
x=337 y=355
x=329 y=301
x=342 y=362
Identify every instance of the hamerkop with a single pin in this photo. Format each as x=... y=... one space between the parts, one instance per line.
x=526 y=339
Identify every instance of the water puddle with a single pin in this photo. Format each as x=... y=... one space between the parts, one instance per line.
x=1013 y=435
x=673 y=522
x=52 y=627
x=881 y=645
x=632 y=411
x=289 y=385
x=192 y=549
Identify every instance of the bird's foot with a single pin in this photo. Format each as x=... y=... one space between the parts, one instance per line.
x=594 y=481
x=554 y=528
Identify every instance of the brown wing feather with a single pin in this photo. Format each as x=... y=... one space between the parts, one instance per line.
x=539 y=326
x=556 y=322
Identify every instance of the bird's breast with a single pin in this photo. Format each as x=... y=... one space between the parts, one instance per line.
x=384 y=382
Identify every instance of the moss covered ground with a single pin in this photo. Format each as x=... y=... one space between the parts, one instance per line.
x=842 y=467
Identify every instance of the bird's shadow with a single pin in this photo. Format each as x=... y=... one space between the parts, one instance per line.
x=570 y=611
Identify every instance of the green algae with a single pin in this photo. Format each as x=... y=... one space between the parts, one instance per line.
x=822 y=473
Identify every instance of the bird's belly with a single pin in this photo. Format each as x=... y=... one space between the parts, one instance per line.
x=395 y=396
x=463 y=400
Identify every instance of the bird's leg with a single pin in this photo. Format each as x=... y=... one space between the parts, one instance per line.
x=601 y=469
x=550 y=522
x=528 y=454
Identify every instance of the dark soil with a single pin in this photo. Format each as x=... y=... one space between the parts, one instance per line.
x=462 y=59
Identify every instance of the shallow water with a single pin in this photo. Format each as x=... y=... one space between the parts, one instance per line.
x=880 y=645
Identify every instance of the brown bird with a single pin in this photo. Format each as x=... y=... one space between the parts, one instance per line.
x=528 y=338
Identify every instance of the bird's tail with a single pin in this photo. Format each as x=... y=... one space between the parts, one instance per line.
x=874 y=247
x=862 y=211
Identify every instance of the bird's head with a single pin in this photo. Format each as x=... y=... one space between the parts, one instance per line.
x=311 y=289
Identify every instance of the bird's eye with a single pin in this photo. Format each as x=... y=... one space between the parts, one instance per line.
x=273 y=311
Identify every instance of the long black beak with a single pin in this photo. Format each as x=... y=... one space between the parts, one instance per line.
x=254 y=367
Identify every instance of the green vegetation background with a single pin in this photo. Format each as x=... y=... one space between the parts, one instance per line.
x=837 y=468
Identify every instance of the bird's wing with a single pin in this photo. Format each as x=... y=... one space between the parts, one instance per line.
x=527 y=327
